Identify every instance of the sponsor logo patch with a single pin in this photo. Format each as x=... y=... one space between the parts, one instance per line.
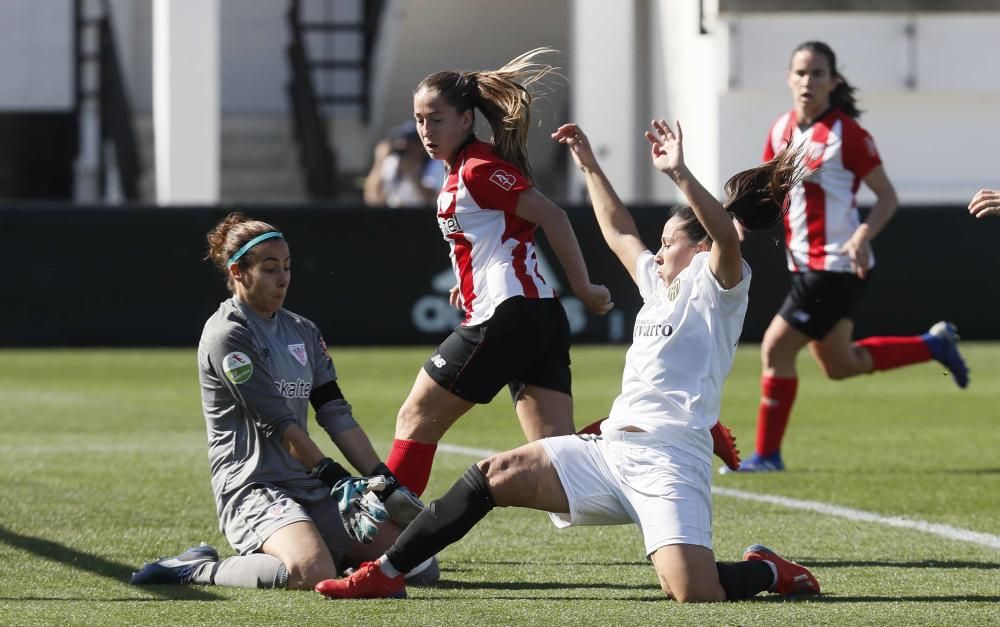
x=438 y=361
x=449 y=225
x=503 y=180
x=298 y=351
x=299 y=388
x=238 y=367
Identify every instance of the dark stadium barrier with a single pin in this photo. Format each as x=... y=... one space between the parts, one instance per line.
x=134 y=276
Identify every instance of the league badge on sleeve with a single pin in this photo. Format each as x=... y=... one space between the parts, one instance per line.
x=238 y=367
x=298 y=351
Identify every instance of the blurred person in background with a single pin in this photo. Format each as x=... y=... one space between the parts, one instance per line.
x=986 y=202
x=402 y=174
x=260 y=366
x=651 y=465
x=829 y=252
x=515 y=332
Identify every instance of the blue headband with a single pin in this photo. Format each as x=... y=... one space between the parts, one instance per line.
x=245 y=247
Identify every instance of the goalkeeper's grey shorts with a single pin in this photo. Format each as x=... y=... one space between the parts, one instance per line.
x=257 y=511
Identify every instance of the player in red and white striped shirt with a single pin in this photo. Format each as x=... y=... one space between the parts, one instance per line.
x=515 y=330
x=829 y=252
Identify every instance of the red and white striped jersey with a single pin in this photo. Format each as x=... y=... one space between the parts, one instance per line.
x=492 y=250
x=823 y=212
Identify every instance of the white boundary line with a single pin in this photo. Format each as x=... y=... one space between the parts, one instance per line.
x=943 y=531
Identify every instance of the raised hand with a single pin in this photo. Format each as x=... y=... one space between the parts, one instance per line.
x=667 y=148
x=986 y=202
x=579 y=145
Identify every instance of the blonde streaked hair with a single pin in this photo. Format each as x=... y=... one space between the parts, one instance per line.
x=504 y=97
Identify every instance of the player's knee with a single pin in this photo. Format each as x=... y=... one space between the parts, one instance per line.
x=693 y=594
x=305 y=574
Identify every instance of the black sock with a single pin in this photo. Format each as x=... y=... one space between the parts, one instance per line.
x=743 y=580
x=445 y=521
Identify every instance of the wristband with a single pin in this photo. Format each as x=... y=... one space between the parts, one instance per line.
x=329 y=471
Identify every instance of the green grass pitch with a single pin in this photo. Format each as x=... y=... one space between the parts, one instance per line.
x=104 y=466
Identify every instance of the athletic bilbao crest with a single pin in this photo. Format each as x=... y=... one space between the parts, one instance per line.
x=503 y=180
x=298 y=351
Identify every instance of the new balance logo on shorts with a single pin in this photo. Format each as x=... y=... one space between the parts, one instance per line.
x=438 y=360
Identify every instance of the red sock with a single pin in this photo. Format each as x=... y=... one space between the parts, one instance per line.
x=777 y=394
x=593 y=428
x=893 y=352
x=411 y=462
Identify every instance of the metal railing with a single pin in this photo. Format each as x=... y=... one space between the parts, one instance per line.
x=109 y=93
x=315 y=154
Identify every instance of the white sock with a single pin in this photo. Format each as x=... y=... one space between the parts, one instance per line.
x=774 y=571
x=390 y=571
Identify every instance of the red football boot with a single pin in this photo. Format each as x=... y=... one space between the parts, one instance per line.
x=367 y=582
x=792 y=578
x=724 y=446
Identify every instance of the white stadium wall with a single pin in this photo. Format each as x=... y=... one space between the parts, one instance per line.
x=926 y=85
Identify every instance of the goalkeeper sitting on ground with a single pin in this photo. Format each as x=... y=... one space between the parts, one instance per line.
x=276 y=493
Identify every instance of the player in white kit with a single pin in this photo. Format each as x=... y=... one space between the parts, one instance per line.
x=829 y=252
x=651 y=465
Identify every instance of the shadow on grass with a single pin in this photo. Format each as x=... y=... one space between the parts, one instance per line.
x=536 y=585
x=919 y=598
x=47 y=549
x=819 y=563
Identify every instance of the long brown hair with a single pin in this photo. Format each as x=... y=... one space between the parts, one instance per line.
x=503 y=96
x=230 y=235
x=758 y=197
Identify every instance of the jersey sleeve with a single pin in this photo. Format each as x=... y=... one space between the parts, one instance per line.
x=235 y=361
x=645 y=274
x=494 y=185
x=726 y=299
x=859 y=152
x=319 y=357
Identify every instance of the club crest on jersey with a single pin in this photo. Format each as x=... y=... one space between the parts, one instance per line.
x=298 y=351
x=449 y=225
x=238 y=367
x=673 y=290
x=503 y=180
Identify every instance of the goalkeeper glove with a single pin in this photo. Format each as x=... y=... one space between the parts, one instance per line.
x=402 y=504
x=329 y=472
x=360 y=510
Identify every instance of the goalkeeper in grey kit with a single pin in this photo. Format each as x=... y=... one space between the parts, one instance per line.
x=294 y=516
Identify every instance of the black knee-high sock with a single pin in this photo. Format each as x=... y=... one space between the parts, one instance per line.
x=743 y=580
x=445 y=521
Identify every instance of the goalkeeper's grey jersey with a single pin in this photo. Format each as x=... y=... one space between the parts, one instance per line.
x=256 y=375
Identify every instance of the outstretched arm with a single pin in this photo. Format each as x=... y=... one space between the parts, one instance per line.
x=667 y=153
x=617 y=225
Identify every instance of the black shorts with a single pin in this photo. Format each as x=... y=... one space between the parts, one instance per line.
x=525 y=342
x=819 y=300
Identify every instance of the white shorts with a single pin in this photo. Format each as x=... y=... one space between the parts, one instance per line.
x=622 y=477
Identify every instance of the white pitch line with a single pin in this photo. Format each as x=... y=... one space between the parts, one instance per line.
x=943 y=531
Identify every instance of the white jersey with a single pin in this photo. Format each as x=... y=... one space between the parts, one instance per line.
x=492 y=249
x=683 y=344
